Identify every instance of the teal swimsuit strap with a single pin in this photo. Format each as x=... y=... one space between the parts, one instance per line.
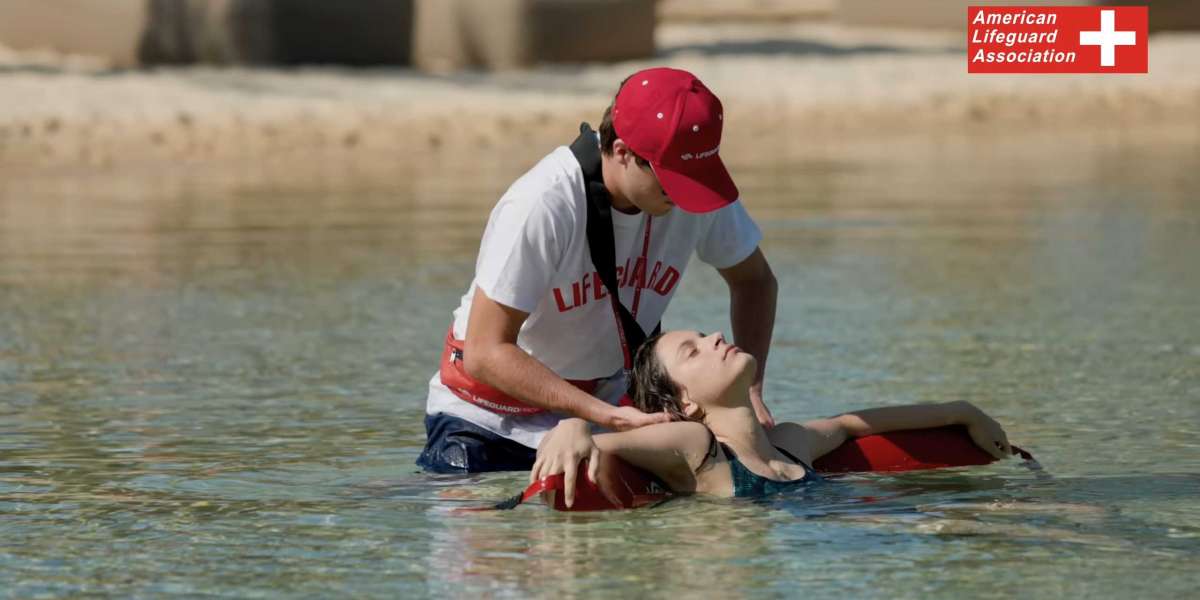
x=712 y=451
x=748 y=484
x=793 y=458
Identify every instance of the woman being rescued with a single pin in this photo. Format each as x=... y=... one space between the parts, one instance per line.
x=715 y=445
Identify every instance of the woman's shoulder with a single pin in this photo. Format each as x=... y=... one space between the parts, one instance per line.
x=691 y=430
x=693 y=444
x=675 y=435
x=673 y=451
x=682 y=427
x=689 y=437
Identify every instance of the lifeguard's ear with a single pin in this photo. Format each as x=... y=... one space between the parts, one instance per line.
x=621 y=152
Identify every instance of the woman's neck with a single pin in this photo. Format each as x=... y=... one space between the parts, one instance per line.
x=738 y=426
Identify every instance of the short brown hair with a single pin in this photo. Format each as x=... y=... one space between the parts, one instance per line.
x=608 y=134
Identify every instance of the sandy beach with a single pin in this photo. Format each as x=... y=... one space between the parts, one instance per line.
x=791 y=83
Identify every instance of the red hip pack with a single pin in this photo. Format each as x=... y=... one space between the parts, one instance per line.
x=454 y=377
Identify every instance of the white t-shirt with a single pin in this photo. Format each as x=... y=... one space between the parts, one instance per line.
x=534 y=257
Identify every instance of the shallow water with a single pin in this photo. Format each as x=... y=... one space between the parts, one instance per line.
x=212 y=383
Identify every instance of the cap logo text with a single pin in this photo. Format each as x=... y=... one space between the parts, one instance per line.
x=705 y=154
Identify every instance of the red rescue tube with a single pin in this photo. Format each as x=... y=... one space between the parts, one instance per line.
x=910 y=450
x=633 y=487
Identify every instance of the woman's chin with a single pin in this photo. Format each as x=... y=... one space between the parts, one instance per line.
x=747 y=362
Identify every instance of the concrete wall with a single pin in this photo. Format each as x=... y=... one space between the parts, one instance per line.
x=952 y=14
x=358 y=32
x=362 y=32
x=1170 y=14
x=507 y=34
x=448 y=34
x=107 y=28
x=208 y=31
x=722 y=11
x=150 y=32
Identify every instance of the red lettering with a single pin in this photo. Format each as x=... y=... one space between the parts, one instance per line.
x=654 y=274
x=562 y=306
x=667 y=283
x=639 y=274
x=662 y=282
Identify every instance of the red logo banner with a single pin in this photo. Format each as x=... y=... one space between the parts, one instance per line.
x=1057 y=39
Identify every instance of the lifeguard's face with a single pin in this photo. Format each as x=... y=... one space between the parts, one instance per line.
x=639 y=184
x=704 y=366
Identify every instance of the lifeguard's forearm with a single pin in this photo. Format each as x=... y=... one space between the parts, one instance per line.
x=508 y=368
x=752 y=314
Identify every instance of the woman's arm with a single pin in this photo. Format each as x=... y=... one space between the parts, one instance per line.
x=819 y=437
x=671 y=451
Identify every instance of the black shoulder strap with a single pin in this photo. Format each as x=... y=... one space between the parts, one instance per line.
x=600 y=232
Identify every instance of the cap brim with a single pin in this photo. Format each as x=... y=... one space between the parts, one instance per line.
x=699 y=190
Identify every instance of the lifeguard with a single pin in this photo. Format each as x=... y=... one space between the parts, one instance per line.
x=577 y=264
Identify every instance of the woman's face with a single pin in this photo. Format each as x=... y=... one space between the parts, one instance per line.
x=704 y=366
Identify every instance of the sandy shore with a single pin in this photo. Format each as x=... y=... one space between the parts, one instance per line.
x=800 y=81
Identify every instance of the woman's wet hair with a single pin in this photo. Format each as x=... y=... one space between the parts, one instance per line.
x=652 y=389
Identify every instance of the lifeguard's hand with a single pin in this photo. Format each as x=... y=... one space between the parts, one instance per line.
x=624 y=418
x=760 y=407
x=986 y=432
x=560 y=452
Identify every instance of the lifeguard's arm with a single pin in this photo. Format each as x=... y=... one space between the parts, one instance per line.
x=491 y=355
x=819 y=437
x=752 y=295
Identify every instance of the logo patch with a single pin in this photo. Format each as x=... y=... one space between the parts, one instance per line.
x=1057 y=39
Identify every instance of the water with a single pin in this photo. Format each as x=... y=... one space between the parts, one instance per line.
x=212 y=383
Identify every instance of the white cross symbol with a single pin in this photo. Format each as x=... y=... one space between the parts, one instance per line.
x=1108 y=38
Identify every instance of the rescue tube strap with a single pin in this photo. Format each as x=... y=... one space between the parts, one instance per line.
x=454 y=376
x=601 y=244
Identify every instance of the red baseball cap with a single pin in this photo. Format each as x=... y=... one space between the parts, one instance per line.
x=669 y=118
